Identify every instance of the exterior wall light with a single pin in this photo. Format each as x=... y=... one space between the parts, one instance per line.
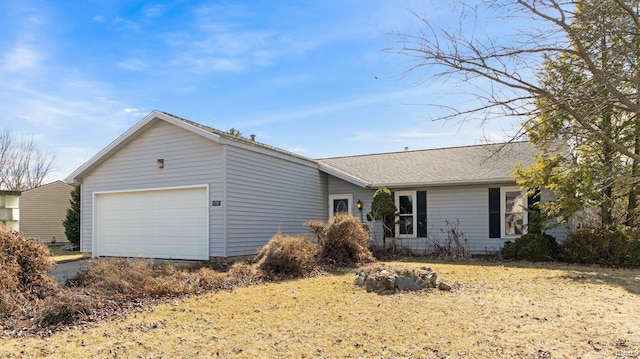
x=359 y=205
x=160 y=163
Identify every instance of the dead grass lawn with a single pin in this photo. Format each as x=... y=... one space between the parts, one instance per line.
x=494 y=311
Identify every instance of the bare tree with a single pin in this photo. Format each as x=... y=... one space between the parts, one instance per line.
x=510 y=63
x=22 y=164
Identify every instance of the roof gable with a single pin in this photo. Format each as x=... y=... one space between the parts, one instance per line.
x=491 y=163
x=49 y=185
x=205 y=131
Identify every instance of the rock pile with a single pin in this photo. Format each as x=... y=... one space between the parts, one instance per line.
x=389 y=280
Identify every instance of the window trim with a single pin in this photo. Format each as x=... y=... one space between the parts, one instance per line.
x=414 y=213
x=347 y=196
x=503 y=211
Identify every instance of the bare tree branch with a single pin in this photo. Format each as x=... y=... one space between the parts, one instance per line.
x=513 y=60
x=22 y=164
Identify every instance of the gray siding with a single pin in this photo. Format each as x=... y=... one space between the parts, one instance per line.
x=189 y=160
x=558 y=231
x=365 y=195
x=338 y=186
x=42 y=211
x=464 y=206
x=266 y=195
x=467 y=204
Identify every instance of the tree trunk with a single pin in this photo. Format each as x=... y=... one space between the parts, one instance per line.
x=632 y=205
x=606 y=206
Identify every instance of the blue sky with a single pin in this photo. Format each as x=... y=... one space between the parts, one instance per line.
x=306 y=76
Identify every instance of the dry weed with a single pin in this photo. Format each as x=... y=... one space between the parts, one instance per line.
x=343 y=241
x=24 y=273
x=288 y=256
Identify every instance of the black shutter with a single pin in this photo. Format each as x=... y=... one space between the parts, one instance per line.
x=494 y=213
x=532 y=200
x=422 y=214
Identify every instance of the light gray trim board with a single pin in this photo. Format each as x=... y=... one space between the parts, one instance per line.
x=343 y=175
x=224 y=199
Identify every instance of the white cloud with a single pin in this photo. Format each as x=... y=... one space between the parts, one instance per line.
x=290 y=80
x=125 y=24
x=133 y=65
x=223 y=65
x=326 y=108
x=154 y=10
x=20 y=58
x=197 y=63
x=135 y=113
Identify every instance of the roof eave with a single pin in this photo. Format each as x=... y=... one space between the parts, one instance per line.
x=464 y=182
x=343 y=175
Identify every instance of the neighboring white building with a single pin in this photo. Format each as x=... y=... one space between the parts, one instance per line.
x=172 y=188
x=10 y=209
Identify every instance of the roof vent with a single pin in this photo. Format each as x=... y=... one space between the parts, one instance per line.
x=406 y=149
x=253 y=137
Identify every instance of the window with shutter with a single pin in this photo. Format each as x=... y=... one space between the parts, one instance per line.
x=508 y=212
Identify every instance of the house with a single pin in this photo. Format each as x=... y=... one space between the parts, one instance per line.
x=42 y=211
x=10 y=209
x=468 y=189
x=172 y=188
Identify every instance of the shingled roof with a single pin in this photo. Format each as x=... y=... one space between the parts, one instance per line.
x=436 y=167
x=479 y=164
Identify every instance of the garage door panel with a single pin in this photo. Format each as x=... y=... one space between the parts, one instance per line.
x=169 y=223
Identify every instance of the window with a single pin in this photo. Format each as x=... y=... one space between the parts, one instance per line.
x=340 y=203
x=407 y=224
x=513 y=212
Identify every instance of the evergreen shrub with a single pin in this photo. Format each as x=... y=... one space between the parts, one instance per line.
x=605 y=245
x=534 y=247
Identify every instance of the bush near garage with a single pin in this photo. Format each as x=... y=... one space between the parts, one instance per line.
x=343 y=241
x=289 y=256
x=604 y=245
x=24 y=273
x=534 y=247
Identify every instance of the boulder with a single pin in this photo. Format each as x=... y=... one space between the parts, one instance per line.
x=385 y=280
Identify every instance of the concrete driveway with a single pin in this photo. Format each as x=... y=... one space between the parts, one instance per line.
x=64 y=271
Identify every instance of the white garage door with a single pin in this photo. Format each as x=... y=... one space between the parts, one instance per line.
x=168 y=223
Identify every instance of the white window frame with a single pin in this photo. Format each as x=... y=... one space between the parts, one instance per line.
x=503 y=211
x=348 y=197
x=414 y=212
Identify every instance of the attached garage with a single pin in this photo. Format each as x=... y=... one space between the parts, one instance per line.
x=172 y=188
x=157 y=223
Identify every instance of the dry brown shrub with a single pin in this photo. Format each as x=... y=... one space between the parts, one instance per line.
x=210 y=279
x=343 y=241
x=245 y=274
x=24 y=273
x=289 y=256
x=134 y=278
x=67 y=307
